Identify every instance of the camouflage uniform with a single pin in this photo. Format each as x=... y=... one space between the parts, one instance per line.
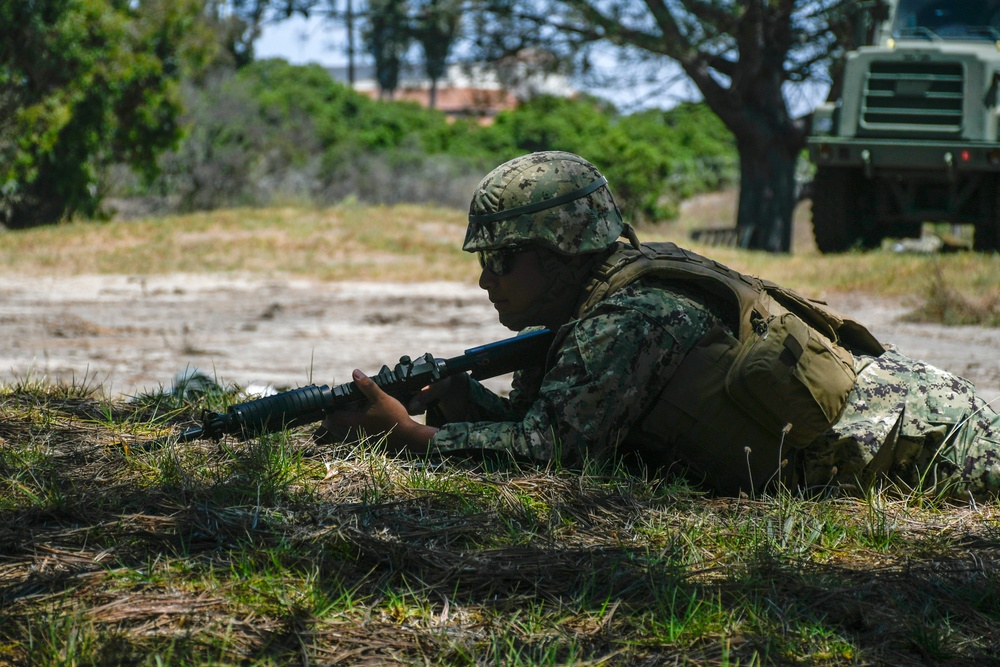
x=575 y=220
x=588 y=400
x=914 y=423
x=896 y=419
x=904 y=419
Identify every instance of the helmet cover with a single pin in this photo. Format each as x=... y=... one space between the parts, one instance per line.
x=554 y=199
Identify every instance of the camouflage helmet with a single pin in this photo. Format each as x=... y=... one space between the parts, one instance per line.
x=554 y=199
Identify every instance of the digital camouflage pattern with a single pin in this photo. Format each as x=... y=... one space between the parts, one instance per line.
x=914 y=424
x=589 y=400
x=588 y=223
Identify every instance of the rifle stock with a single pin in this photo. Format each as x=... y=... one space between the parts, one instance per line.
x=311 y=403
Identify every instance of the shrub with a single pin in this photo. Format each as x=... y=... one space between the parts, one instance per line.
x=86 y=83
x=274 y=131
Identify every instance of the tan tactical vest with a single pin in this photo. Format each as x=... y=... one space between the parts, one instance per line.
x=739 y=404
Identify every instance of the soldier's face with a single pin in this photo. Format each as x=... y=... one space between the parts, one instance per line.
x=514 y=292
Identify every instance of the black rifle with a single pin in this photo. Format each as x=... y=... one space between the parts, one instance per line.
x=310 y=404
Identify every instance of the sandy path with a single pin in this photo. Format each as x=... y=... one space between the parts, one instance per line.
x=132 y=334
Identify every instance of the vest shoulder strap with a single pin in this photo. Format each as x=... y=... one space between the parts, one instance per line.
x=747 y=299
x=667 y=261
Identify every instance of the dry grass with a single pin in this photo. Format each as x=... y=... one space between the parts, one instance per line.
x=967 y=276
x=373 y=243
x=410 y=243
x=945 y=304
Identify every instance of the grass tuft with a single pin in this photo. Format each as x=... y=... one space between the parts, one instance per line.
x=943 y=303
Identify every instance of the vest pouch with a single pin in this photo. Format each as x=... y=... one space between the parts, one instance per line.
x=848 y=332
x=696 y=423
x=786 y=372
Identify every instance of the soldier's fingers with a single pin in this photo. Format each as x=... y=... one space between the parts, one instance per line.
x=367 y=386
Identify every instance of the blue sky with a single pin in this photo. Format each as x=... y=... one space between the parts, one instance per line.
x=301 y=41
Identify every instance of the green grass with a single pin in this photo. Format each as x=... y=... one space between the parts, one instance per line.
x=282 y=551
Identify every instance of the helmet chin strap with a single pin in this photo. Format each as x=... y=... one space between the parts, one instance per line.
x=629 y=232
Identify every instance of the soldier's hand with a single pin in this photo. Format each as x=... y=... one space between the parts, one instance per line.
x=451 y=395
x=383 y=414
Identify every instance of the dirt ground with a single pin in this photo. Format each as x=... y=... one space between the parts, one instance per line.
x=136 y=334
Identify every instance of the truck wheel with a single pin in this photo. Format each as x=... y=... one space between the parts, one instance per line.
x=987 y=236
x=837 y=209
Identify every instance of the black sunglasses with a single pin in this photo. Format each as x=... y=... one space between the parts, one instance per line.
x=499 y=261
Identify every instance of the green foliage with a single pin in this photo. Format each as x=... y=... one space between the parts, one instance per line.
x=236 y=148
x=274 y=129
x=435 y=27
x=387 y=35
x=90 y=107
x=652 y=159
x=90 y=84
x=555 y=123
x=85 y=83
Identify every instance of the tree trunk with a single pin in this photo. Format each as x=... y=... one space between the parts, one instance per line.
x=767 y=195
x=432 y=101
x=755 y=110
x=350 y=44
x=769 y=142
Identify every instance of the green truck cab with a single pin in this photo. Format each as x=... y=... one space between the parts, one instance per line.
x=913 y=136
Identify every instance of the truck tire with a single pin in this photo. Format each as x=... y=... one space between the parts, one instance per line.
x=987 y=237
x=837 y=209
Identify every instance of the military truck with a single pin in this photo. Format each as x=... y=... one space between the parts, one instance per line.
x=912 y=137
